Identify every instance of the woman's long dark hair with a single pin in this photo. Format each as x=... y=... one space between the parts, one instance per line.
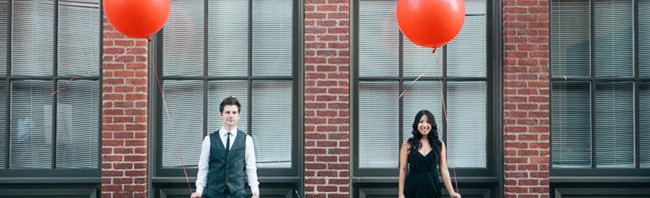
x=432 y=136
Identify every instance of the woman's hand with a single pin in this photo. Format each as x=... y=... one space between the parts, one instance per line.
x=454 y=195
x=401 y=195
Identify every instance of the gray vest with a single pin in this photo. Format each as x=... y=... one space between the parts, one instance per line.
x=226 y=171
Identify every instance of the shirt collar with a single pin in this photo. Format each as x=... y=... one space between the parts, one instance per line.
x=222 y=132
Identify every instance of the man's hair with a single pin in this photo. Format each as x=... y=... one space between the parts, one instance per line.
x=229 y=101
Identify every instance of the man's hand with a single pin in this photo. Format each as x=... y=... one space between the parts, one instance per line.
x=196 y=195
x=454 y=195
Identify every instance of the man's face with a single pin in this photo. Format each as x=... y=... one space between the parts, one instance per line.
x=229 y=116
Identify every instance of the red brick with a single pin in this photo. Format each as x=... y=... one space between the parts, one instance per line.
x=122 y=150
x=124 y=58
x=315 y=151
x=328 y=188
x=526 y=97
x=327 y=75
x=109 y=142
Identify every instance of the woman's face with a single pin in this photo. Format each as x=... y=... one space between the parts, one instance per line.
x=423 y=126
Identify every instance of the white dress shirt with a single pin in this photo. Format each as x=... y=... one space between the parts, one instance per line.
x=251 y=167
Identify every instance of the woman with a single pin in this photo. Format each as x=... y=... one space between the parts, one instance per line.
x=424 y=152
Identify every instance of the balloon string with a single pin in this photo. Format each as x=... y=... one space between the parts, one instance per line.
x=444 y=105
x=161 y=94
x=413 y=82
x=444 y=111
x=456 y=181
x=171 y=124
x=76 y=77
x=416 y=79
x=64 y=86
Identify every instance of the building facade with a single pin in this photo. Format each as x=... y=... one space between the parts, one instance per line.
x=534 y=98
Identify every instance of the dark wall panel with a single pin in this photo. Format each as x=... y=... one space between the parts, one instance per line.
x=50 y=191
x=266 y=191
x=589 y=192
x=390 y=191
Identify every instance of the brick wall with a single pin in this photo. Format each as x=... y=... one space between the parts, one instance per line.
x=327 y=114
x=526 y=98
x=124 y=116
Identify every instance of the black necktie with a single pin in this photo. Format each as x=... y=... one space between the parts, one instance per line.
x=228 y=141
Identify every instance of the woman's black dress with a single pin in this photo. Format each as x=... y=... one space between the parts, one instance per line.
x=422 y=180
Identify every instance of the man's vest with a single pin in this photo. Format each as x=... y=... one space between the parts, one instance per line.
x=226 y=168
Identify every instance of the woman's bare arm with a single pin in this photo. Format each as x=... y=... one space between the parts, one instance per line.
x=444 y=171
x=403 y=157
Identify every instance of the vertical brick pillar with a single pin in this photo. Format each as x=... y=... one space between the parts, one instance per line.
x=526 y=98
x=327 y=112
x=124 y=116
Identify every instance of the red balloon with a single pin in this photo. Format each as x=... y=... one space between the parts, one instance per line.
x=137 y=18
x=430 y=23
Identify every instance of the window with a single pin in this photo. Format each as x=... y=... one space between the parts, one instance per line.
x=388 y=64
x=209 y=50
x=50 y=96
x=600 y=95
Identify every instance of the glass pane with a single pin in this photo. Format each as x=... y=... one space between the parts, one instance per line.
x=475 y=7
x=3 y=121
x=31 y=126
x=421 y=61
x=77 y=124
x=4 y=26
x=378 y=125
x=466 y=54
x=614 y=125
x=378 y=39
x=644 y=37
x=271 y=123
x=644 y=124
x=217 y=91
x=182 y=122
x=418 y=96
x=183 y=39
x=466 y=141
x=272 y=37
x=613 y=32
x=228 y=38
x=78 y=38
x=571 y=124
x=32 y=37
x=570 y=53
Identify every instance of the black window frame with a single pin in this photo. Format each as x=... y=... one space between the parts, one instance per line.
x=565 y=174
x=492 y=172
x=156 y=115
x=83 y=175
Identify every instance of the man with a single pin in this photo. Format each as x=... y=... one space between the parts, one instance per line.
x=227 y=159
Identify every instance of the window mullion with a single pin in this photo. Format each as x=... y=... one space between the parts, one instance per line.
x=206 y=65
x=206 y=87
x=400 y=88
x=592 y=85
x=55 y=62
x=7 y=141
x=100 y=77
x=637 y=130
x=443 y=97
x=250 y=69
x=636 y=90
